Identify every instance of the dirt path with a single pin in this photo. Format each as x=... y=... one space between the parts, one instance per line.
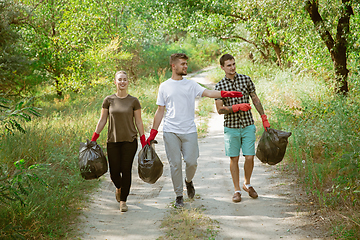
x=273 y=215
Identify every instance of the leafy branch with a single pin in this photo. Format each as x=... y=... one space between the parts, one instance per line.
x=11 y=114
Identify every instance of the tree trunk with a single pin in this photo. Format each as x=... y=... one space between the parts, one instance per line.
x=277 y=50
x=57 y=87
x=337 y=47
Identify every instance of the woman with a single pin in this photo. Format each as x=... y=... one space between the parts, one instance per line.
x=122 y=109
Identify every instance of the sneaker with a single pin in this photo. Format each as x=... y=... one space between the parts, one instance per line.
x=190 y=189
x=123 y=207
x=118 y=194
x=179 y=202
x=237 y=197
x=251 y=191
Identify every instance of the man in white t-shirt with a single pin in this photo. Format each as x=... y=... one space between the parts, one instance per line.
x=177 y=95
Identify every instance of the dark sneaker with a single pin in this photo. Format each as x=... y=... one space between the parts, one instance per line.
x=236 y=197
x=190 y=189
x=251 y=191
x=179 y=202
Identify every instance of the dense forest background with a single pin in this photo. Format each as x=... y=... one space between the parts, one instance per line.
x=58 y=58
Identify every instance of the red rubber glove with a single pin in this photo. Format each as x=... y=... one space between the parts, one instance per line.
x=241 y=107
x=142 y=140
x=231 y=94
x=94 y=137
x=265 y=121
x=152 y=136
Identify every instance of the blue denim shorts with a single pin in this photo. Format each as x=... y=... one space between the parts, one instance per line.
x=239 y=138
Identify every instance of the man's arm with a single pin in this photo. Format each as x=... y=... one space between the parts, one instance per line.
x=156 y=123
x=211 y=93
x=220 y=94
x=221 y=109
x=256 y=101
x=158 y=117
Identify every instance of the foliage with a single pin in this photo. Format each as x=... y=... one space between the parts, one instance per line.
x=66 y=52
x=14 y=188
x=277 y=31
x=11 y=112
x=17 y=71
x=52 y=141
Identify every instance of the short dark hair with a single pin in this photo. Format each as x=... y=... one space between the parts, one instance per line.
x=225 y=57
x=175 y=56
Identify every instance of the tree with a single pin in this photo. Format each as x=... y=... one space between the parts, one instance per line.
x=262 y=24
x=16 y=68
x=337 y=45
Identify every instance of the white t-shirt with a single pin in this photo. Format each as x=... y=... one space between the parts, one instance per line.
x=178 y=97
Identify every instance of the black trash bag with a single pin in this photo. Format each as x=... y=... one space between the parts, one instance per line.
x=150 y=167
x=272 y=146
x=92 y=160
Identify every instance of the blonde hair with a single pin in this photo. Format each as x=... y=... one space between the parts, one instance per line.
x=120 y=72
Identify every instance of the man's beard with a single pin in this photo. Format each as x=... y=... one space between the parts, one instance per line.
x=181 y=73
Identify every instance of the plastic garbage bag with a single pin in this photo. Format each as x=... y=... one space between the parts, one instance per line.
x=150 y=167
x=92 y=160
x=272 y=146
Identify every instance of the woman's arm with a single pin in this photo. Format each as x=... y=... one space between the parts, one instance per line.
x=102 y=121
x=139 y=122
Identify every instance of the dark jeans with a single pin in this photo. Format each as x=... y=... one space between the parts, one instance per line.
x=121 y=156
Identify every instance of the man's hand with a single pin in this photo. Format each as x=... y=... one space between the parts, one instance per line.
x=241 y=107
x=265 y=121
x=225 y=94
x=152 y=136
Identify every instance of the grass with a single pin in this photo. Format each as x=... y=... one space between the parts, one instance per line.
x=205 y=108
x=188 y=224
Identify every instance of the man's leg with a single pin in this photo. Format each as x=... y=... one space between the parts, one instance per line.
x=234 y=170
x=173 y=153
x=248 y=168
x=190 y=151
x=248 y=147
x=232 y=150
